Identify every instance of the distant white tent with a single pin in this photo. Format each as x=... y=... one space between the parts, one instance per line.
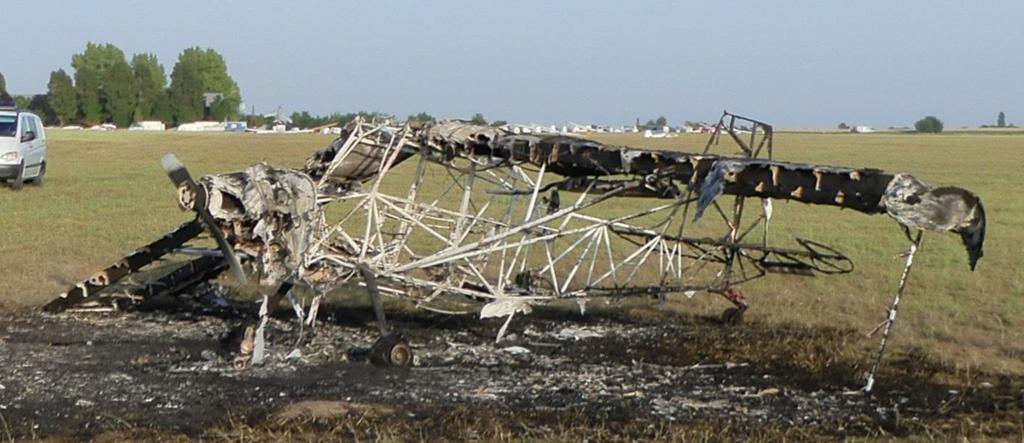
x=201 y=127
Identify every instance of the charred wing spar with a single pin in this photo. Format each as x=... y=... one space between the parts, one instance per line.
x=586 y=163
x=910 y=201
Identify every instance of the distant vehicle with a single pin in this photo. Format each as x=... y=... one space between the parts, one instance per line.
x=664 y=132
x=103 y=127
x=22 y=147
x=148 y=126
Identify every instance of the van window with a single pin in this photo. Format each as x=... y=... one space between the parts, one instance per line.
x=33 y=123
x=8 y=125
x=38 y=124
x=28 y=125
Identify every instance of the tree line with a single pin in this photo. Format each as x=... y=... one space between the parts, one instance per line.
x=105 y=87
x=305 y=120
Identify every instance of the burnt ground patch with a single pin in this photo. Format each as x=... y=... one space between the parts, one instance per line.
x=607 y=375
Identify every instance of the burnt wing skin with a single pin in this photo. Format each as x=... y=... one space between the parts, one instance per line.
x=910 y=201
x=917 y=204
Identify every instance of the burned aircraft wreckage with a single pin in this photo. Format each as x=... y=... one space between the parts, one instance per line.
x=456 y=217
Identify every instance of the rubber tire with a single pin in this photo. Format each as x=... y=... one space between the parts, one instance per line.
x=391 y=351
x=733 y=317
x=40 y=179
x=19 y=181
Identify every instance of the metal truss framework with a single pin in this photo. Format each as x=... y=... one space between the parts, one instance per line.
x=511 y=239
x=452 y=216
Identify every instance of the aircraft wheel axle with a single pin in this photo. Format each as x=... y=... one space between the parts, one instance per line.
x=733 y=316
x=391 y=350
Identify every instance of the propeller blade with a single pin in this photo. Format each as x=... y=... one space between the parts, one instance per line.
x=175 y=170
x=179 y=175
x=222 y=243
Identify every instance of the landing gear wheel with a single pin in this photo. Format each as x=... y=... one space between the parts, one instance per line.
x=733 y=316
x=391 y=350
x=241 y=362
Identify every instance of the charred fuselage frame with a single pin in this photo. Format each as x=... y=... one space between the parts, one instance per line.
x=484 y=216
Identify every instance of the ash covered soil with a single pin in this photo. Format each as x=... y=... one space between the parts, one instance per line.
x=85 y=375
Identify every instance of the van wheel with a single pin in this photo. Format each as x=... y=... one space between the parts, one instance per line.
x=19 y=181
x=38 y=181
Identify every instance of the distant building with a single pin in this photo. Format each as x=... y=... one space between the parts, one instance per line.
x=699 y=128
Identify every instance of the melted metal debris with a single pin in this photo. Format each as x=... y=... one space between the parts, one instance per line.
x=269 y=213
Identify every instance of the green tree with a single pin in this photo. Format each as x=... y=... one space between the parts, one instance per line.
x=255 y=121
x=478 y=119
x=661 y=121
x=96 y=60
x=1001 y=120
x=162 y=110
x=87 y=88
x=422 y=117
x=22 y=101
x=499 y=123
x=186 y=93
x=305 y=120
x=213 y=74
x=5 y=98
x=62 y=97
x=121 y=93
x=929 y=124
x=151 y=84
x=40 y=104
x=224 y=110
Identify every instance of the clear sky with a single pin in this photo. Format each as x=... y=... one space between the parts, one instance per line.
x=792 y=63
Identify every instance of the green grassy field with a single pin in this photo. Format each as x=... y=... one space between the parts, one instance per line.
x=106 y=195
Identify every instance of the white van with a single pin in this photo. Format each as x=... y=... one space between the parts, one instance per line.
x=22 y=147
